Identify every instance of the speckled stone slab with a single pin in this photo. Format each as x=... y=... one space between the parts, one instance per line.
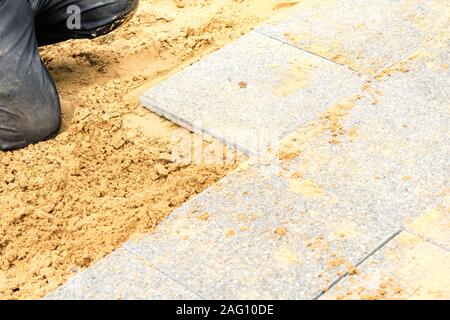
x=252 y=92
x=123 y=276
x=365 y=35
x=253 y=237
x=406 y=268
x=391 y=153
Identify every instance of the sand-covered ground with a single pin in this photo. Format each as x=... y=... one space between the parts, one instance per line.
x=68 y=202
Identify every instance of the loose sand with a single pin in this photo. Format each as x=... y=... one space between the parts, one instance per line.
x=68 y=202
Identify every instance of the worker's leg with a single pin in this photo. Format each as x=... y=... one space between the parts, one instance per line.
x=29 y=104
x=59 y=20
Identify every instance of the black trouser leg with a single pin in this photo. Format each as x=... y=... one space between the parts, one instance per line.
x=29 y=104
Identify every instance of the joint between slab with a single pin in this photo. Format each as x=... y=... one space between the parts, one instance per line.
x=311 y=53
x=408 y=230
x=383 y=244
x=146 y=262
x=402 y=58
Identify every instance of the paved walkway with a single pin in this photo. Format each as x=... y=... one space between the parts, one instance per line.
x=354 y=200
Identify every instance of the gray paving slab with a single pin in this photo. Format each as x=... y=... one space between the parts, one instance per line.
x=392 y=151
x=252 y=92
x=241 y=250
x=406 y=268
x=365 y=35
x=121 y=276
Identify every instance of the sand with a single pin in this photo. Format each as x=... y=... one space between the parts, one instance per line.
x=107 y=177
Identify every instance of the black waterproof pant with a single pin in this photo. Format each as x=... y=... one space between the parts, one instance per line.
x=29 y=104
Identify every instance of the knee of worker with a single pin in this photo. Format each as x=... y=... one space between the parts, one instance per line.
x=43 y=122
x=11 y=134
x=28 y=121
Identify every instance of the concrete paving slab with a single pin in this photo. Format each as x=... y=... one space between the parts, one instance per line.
x=365 y=35
x=406 y=268
x=252 y=92
x=388 y=151
x=261 y=239
x=121 y=276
